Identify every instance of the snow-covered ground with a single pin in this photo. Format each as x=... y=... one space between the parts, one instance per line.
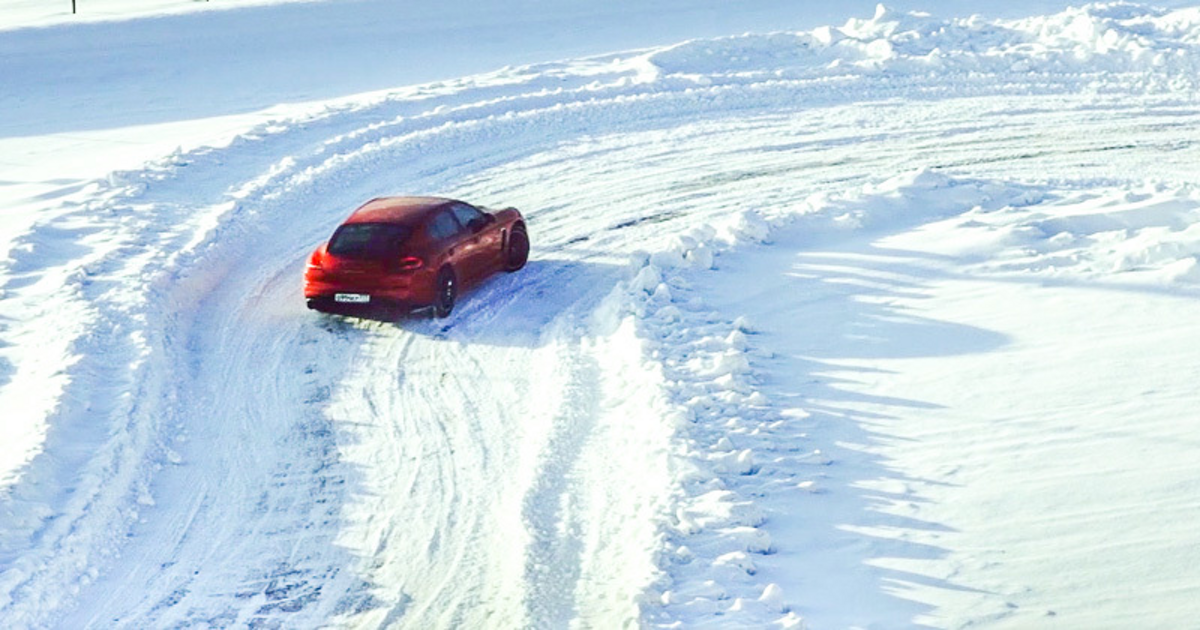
x=872 y=322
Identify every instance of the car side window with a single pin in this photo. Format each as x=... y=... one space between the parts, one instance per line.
x=468 y=216
x=443 y=225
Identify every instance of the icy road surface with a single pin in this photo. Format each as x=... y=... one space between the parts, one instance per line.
x=881 y=325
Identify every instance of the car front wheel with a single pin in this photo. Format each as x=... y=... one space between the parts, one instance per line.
x=518 y=249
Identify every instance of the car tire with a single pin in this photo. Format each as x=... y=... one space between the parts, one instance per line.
x=518 y=249
x=447 y=290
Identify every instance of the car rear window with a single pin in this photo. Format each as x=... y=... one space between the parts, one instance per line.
x=368 y=240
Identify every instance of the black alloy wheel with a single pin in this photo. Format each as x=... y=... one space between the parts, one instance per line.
x=447 y=290
x=518 y=249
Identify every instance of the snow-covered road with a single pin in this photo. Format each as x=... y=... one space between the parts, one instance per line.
x=880 y=325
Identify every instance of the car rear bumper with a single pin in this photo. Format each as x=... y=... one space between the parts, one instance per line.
x=409 y=291
x=377 y=306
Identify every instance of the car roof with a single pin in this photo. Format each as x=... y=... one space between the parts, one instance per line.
x=397 y=209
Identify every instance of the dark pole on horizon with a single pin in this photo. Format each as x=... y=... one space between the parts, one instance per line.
x=72 y=7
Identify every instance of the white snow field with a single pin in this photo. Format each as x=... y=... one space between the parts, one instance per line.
x=883 y=324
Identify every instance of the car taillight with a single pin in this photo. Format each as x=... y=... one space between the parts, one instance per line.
x=314 y=261
x=410 y=263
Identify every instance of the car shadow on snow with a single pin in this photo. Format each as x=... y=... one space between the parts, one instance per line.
x=509 y=309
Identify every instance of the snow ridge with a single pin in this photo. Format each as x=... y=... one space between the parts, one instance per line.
x=734 y=442
x=1090 y=44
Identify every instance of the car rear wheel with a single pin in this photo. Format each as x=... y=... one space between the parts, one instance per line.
x=518 y=249
x=447 y=291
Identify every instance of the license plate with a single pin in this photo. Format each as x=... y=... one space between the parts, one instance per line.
x=352 y=298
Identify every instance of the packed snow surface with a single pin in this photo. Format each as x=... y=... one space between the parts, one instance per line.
x=881 y=324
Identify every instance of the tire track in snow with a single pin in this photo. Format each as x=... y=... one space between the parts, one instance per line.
x=635 y=208
x=266 y=488
x=715 y=205
x=552 y=561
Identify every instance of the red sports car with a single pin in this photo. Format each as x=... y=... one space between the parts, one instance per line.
x=412 y=252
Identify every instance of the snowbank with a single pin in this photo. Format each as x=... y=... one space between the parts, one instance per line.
x=1092 y=44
